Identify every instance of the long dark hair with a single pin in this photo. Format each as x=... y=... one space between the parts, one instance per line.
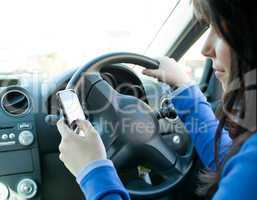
x=235 y=21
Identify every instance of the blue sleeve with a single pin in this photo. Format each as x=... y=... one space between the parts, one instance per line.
x=99 y=180
x=201 y=123
x=239 y=177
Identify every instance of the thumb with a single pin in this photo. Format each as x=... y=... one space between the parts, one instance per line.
x=85 y=127
x=63 y=129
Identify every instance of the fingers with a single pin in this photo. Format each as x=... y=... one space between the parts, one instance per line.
x=155 y=73
x=85 y=127
x=63 y=129
x=158 y=73
x=61 y=157
x=150 y=72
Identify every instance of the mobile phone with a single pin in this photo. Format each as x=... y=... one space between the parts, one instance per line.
x=70 y=107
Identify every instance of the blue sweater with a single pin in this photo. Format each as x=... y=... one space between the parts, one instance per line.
x=239 y=176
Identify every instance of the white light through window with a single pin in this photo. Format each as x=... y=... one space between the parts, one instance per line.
x=52 y=35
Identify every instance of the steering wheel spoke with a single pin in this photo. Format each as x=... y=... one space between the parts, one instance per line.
x=121 y=156
x=162 y=156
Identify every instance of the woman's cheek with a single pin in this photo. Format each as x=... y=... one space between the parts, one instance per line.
x=225 y=58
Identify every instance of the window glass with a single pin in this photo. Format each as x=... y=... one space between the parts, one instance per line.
x=52 y=36
x=193 y=60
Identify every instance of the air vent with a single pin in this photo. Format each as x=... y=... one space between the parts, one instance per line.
x=15 y=102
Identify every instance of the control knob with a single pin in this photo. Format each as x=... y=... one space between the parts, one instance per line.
x=4 y=192
x=26 y=138
x=27 y=188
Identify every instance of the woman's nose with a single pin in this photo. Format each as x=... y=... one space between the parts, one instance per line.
x=208 y=50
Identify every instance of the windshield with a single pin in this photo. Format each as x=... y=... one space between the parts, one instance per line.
x=51 y=36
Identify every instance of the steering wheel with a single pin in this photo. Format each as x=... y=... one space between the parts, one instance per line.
x=127 y=125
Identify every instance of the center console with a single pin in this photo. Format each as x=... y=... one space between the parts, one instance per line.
x=20 y=176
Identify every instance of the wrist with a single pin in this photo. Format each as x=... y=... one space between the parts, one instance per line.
x=178 y=90
x=184 y=82
x=175 y=86
x=91 y=166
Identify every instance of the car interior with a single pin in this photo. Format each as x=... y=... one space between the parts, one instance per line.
x=163 y=167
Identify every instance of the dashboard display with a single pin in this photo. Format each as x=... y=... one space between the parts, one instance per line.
x=8 y=82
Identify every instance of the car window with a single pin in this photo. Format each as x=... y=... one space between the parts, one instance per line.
x=52 y=36
x=193 y=60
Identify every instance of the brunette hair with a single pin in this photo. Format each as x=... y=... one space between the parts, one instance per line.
x=235 y=21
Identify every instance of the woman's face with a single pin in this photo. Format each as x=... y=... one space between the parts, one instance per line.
x=217 y=49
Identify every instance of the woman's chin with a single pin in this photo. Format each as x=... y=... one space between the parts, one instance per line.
x=221 y=76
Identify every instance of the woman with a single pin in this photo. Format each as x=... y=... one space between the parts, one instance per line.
x=230 y=157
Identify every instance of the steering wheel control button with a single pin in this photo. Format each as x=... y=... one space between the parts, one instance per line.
x=4 y=137
x=4 y=192
x=24 y=125
x=26 y=138
x=176 y=139
x=27 y=188
x=179 y=143
x=11 y=136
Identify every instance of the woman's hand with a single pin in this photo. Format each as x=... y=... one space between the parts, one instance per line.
x=169 y=72
x=77 y=151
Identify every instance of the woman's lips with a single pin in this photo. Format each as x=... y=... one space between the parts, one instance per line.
x=219 y=73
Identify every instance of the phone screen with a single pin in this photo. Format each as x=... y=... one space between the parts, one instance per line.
x=70 y=106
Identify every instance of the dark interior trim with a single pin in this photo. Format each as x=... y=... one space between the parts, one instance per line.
x=190 y=35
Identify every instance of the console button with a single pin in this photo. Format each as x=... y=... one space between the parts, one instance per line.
x=4 y=192
x=11 y=136
x=24 y=125
x=27 y=188
x=26 y=138
x=4 y=137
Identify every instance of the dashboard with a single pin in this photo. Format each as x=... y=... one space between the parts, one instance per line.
x=124 y=81
x=30 y=166
x=120 y=77
x=20 y=175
